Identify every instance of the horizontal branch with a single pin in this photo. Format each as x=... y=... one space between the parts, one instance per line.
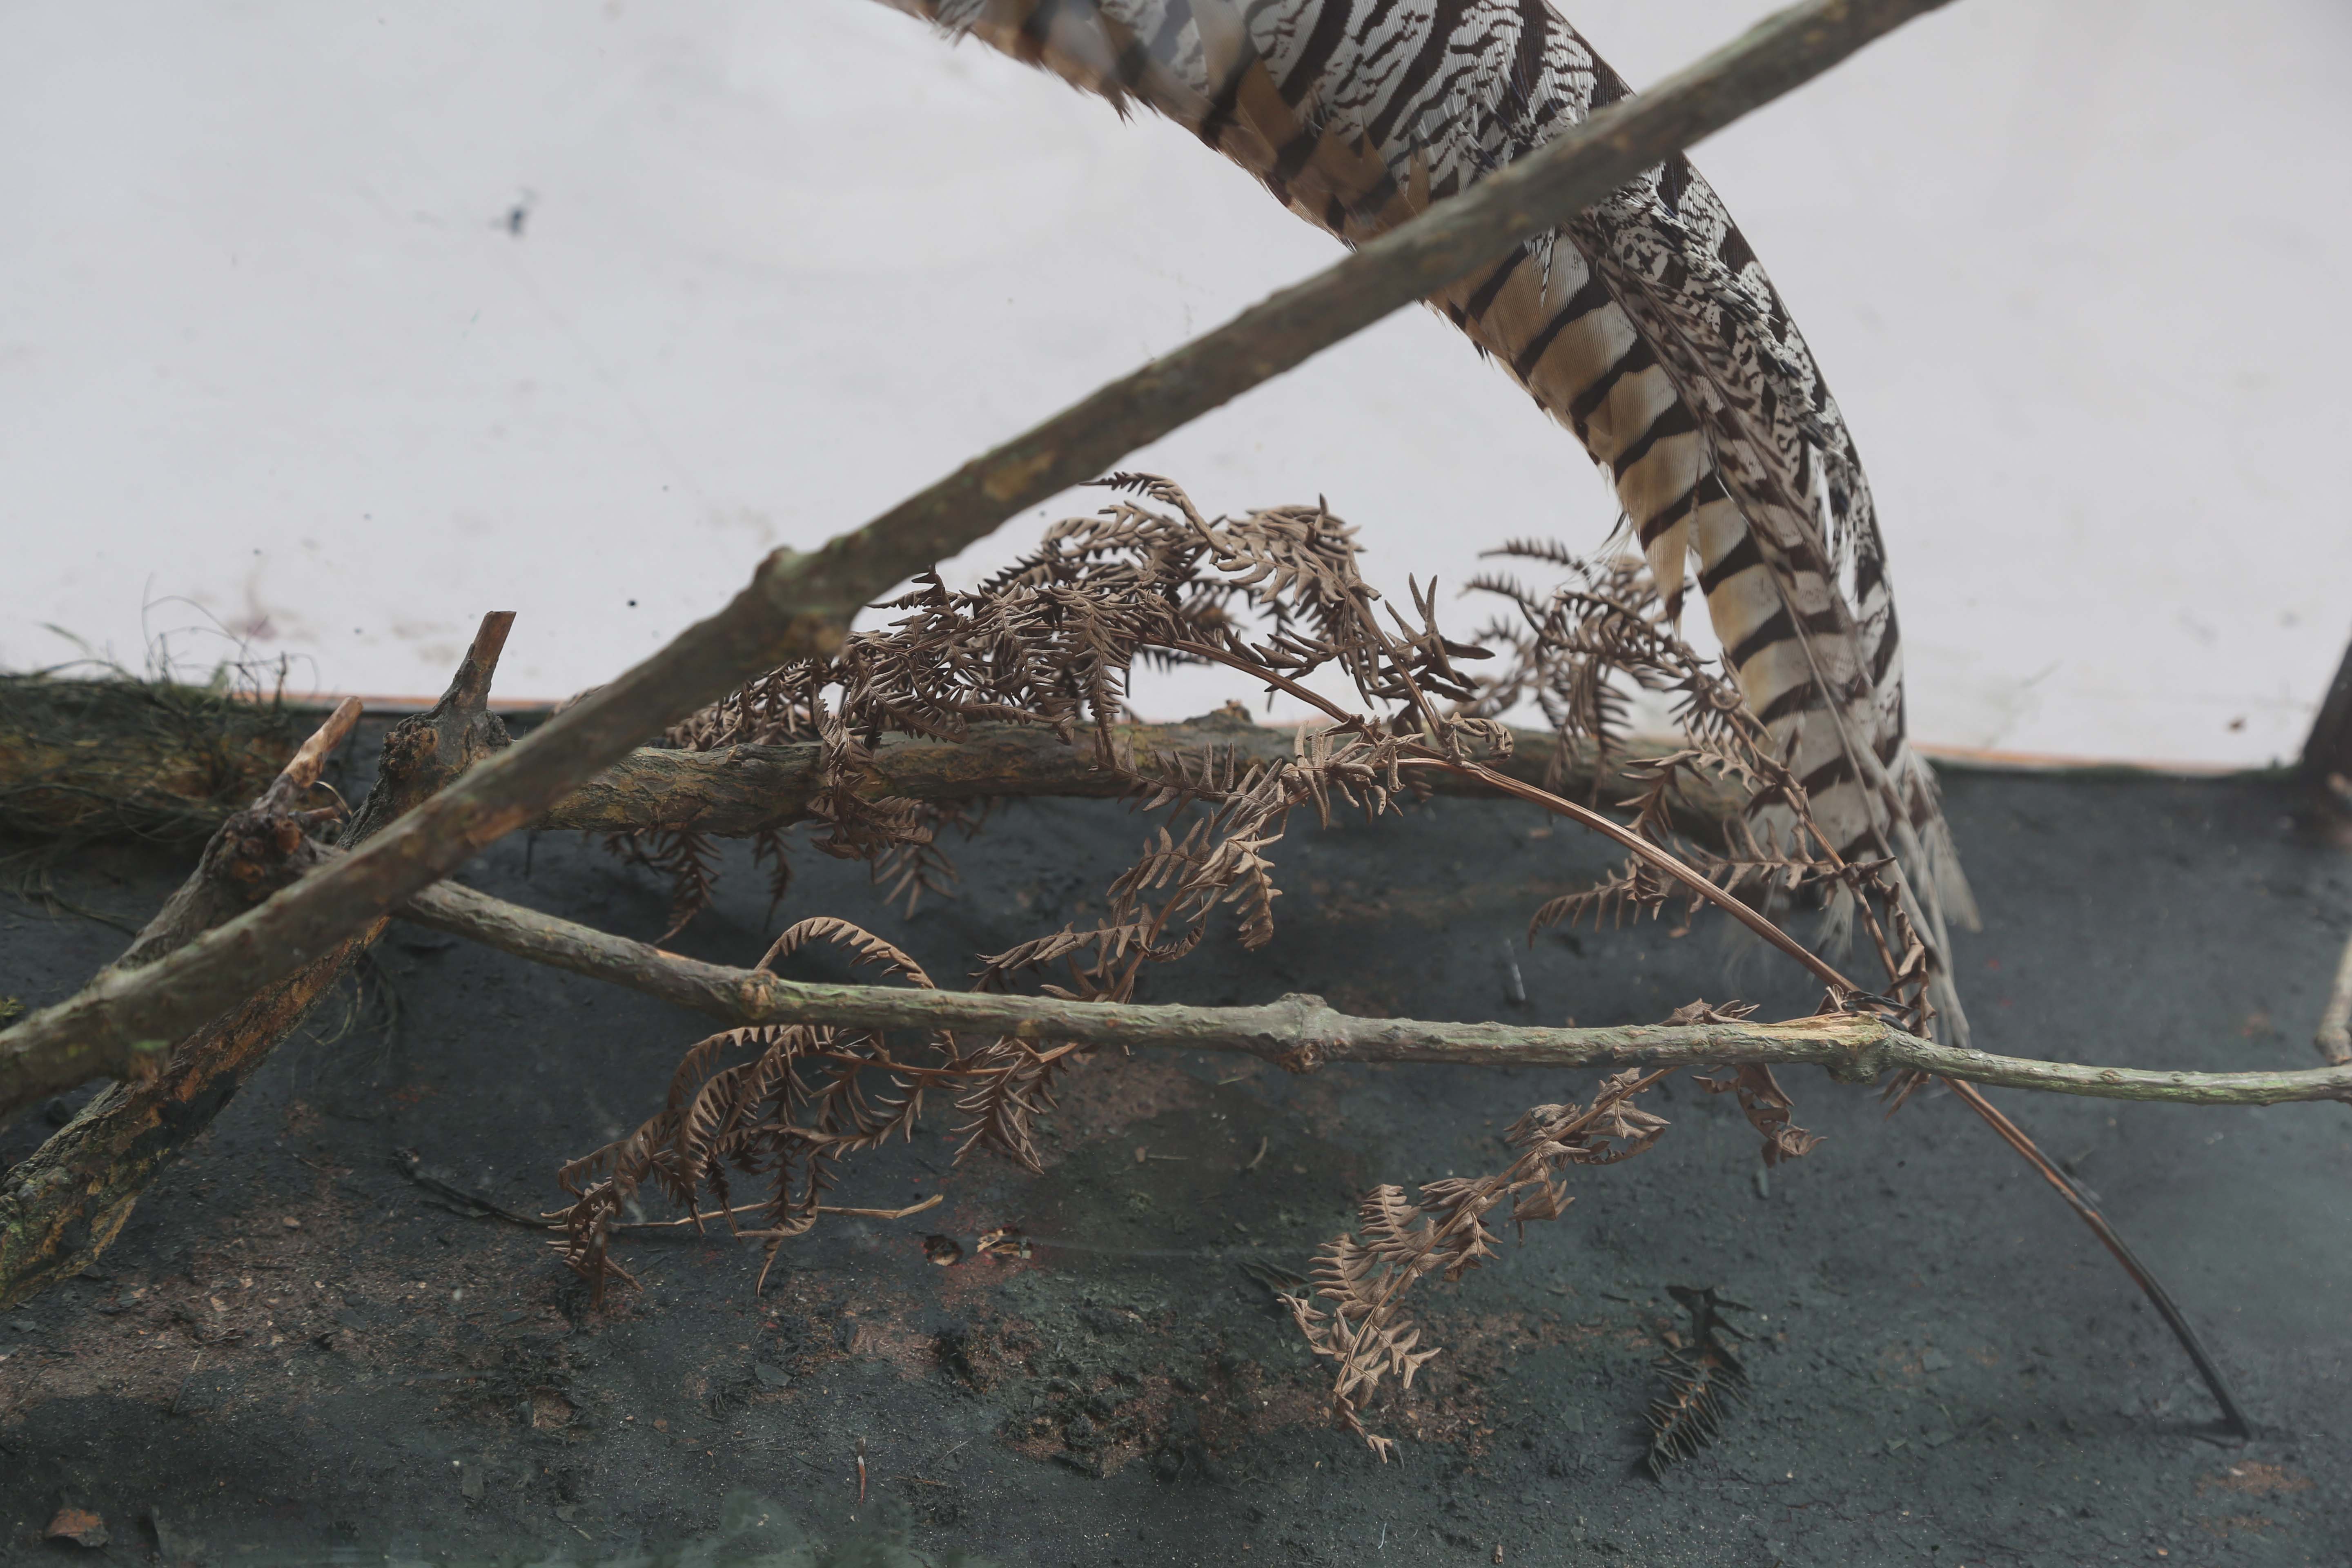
x=1300 y=1032
x=733 y=792
x=799 y=605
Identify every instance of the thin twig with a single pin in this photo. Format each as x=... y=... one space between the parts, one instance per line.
x=2207 y=1368
x=302 y=769
x=1672 y=864
x=934 y=1201
x=1958 y=1080
x=799 y=605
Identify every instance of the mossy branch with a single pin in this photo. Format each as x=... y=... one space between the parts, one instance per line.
x=734 y=792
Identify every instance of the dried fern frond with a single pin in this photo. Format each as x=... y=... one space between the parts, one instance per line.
x=786 y=1104
x=1703 y=1379
x=864 y=946
x=1160 y=909
x=1362 y=1278
x=1052 y=641
x=1014 y=1086
x=1768 y=1109
x=688 y=858
x=1602 y=634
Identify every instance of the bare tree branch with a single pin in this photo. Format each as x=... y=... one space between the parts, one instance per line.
x=736 y=791
x=253 y=854
x=1300 y=1032
x=799 y=604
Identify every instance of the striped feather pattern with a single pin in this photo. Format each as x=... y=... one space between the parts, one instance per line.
x=1645 y=325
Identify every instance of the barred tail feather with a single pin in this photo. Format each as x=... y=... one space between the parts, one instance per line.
x=1645 y=326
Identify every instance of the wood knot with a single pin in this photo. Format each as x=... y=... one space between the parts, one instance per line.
x=1302 y=1058
x=257 y=852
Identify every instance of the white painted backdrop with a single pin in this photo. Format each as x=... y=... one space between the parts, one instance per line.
x=271 y=354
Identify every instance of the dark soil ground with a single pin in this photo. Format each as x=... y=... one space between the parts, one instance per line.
x=298 y=1352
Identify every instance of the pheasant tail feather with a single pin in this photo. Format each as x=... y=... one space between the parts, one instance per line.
x=1645 y=325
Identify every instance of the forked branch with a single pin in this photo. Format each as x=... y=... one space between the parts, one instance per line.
x=61 y=1206
x=259 y=849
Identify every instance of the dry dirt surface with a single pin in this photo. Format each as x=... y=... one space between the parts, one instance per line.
x=303 y=1348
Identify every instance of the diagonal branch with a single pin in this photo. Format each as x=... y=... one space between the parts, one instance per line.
x=253 y=853
x=2014 y=1136
x=798 y=605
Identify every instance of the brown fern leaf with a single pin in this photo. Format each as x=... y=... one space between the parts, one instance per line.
x=1114 y=947
x=1017 y=1086
x=1769 y=1109
x=687 y=858
x=1548 y=551
x=1360 y=1279
x=1703 y=1379
x=864 y=946
x=1050 y=640
x=803 y=1100
x=768 y=848
x=1633 y=891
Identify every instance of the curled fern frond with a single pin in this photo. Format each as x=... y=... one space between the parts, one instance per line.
x=865 y=947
